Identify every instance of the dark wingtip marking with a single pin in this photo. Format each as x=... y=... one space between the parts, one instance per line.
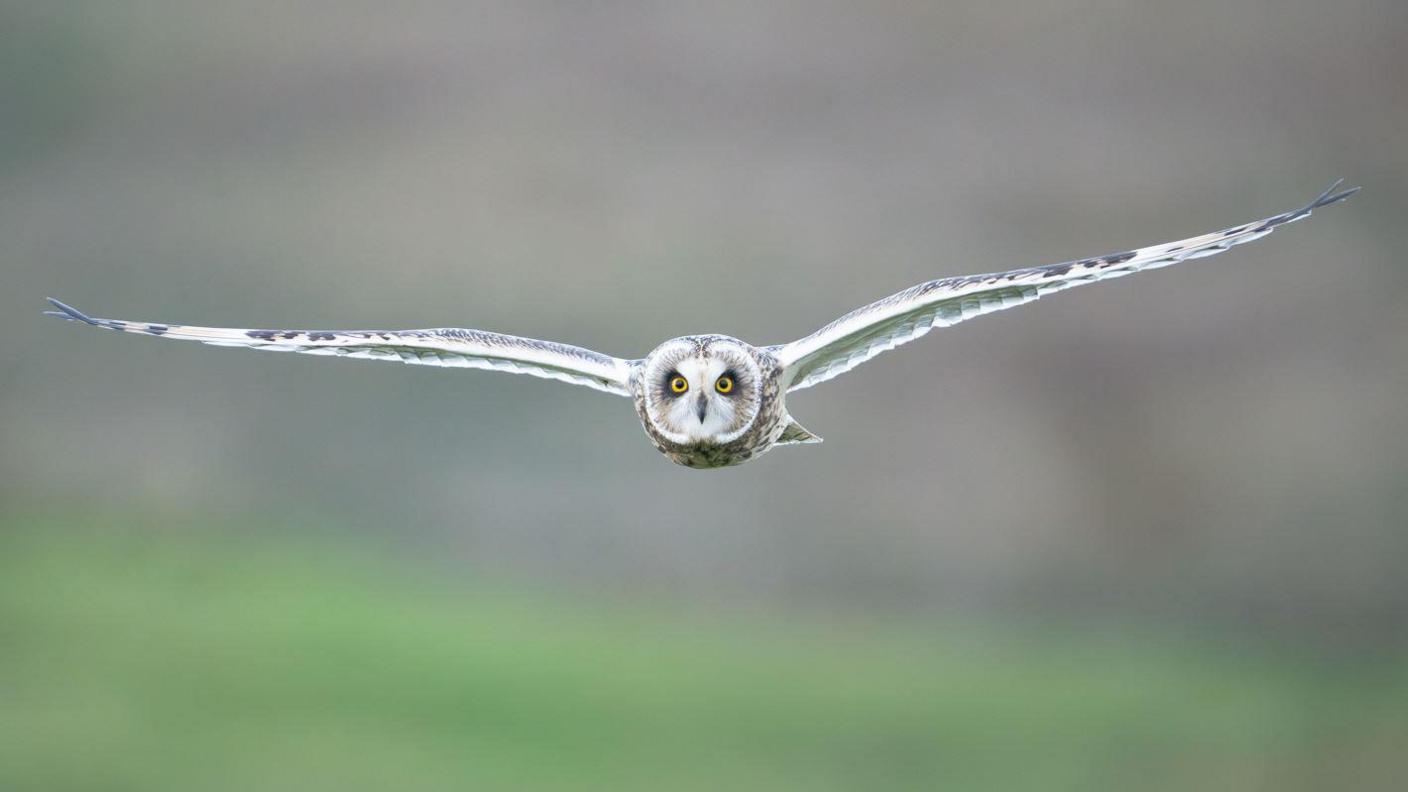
x=1330 y=196
x=69 y=312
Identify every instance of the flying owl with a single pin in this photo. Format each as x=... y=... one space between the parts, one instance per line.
x=709 y=401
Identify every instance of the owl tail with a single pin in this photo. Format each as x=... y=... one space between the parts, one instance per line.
x=795 y=434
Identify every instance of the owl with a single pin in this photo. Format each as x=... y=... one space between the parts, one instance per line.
x=711 y=401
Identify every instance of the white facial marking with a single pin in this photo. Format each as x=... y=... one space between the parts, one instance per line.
x=701 y=414
x=718 y=411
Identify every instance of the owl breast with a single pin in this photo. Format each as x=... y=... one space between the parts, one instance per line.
x=754 y=443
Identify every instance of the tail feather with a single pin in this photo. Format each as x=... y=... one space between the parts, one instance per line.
x=794 y=434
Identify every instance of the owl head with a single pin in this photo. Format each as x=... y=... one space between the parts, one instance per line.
x=702 y=389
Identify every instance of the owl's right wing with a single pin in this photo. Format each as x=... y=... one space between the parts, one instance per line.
x=450 y=347
x=885 y=324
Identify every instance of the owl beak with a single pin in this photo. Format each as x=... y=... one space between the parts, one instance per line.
x=701 y=407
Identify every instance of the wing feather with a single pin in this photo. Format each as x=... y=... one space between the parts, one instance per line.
x=887 y=323
x=448 y=347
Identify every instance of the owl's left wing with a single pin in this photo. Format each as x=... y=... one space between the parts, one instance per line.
x=910 y=314
x=450 y=347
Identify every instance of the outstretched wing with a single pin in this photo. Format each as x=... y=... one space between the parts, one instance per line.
x=451 y=347
x=885 y=324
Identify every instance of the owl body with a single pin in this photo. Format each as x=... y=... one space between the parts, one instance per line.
x=711 y=401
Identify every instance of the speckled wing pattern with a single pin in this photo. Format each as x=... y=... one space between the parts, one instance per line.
x=912 y=313
x=449 y=347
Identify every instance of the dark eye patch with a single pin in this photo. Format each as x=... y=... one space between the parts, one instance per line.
x=731 y=377
x=668 y=385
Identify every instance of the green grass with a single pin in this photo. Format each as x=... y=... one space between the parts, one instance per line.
x=135 y=659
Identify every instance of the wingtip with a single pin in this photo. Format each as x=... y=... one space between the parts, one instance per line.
x=69 y=312
x=1329 y=196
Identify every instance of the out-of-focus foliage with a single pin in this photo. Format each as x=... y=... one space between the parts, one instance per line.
x=148 y=659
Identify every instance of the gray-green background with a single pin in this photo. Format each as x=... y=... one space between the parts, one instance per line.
x=1185 y=488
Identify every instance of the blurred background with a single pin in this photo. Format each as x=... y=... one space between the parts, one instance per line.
x=1148 y=534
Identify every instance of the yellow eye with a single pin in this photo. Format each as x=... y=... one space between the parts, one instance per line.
x=724 y=384
x=679 y=385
